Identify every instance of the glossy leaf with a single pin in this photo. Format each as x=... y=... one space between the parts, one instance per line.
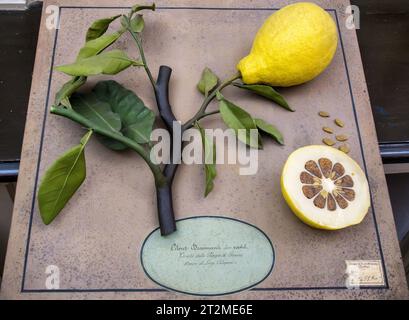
x=110 y=62
x=96 y=46
x=97 y=111
x=209 y=160
x=208 y=81
x=266 y=92
x=237 y=118
x=270 y=130
x=99 y=27
x=68 y=88
x=137 y=23
x=100 y=113
x=137 y=120
x=61 y=180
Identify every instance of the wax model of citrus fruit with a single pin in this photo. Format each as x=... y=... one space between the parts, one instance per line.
x=294 y=45
x=325 y=187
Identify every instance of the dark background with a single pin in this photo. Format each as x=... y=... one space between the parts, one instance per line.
x=384 y=42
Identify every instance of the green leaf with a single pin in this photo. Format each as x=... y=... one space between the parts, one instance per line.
x=61 y=180
x=110 y=62
x=269 y=129
x=112 y=107
x=138 y=7
x=137 y=120
x=100 y=113
x=68 y=88
x=210 y=160
x=97 y=111
x=208 y=81
x=96 y=46
x=99 y=27
x=266 y=92
x=111 y=143
x=137 y=23
x=237 y=118
x=91 y=48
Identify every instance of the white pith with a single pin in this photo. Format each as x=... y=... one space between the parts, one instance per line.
x=339 y=218
x=327 y=185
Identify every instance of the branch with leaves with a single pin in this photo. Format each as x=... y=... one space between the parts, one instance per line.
x=119 y=119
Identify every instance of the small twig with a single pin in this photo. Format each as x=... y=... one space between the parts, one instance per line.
x=207 y=101
x=208 y=114
x=160 y=179
x=142 y=54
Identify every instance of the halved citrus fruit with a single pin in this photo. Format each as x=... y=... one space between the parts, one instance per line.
x=325 y=187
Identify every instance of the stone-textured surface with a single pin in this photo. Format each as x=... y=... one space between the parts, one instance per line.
x=95 y=241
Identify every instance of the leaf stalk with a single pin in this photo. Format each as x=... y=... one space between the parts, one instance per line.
x=202 y=111
x=160 y=179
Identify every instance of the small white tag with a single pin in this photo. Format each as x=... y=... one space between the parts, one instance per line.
x=368 y=273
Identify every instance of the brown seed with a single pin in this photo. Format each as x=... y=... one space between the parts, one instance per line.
x=326 y=166
x=341 y=137
x=327 y=130
x=339 y=123
x=323 y=114
x=345 y=181
x=340 y=200
x=331 y=205
x=306 y=178
x=337 y=171
x=312 y=168
x=311 y=191
x=328 y=142
x=348 y=194
x=344 y=148
x=319 y=201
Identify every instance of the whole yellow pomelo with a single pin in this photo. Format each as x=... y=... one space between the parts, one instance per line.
x=294 y=45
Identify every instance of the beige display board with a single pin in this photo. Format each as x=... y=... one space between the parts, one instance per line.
x=95 y=242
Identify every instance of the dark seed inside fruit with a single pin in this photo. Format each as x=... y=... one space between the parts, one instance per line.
x=348 y=194
x=345 y=181
x=341 y=201
x=319 y=201
x=326 y=166
x=312 y=168
x=331 y=205
x=311 y=191
x=306 y=178
x=337 y=171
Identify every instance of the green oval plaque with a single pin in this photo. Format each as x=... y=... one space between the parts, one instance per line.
x=208 y=255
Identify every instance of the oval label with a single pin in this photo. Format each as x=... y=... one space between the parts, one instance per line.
x=208 y=255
